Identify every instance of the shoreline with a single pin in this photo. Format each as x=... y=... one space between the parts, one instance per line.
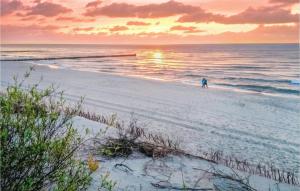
x=179 y=82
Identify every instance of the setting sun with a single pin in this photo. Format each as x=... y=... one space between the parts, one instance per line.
x=157 y=55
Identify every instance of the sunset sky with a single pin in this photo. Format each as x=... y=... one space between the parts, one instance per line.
x=149 y=22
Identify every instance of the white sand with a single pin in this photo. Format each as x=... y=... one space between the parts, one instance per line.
x=170 y=171
x=251 y=126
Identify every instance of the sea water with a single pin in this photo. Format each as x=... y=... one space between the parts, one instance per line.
x=272 y=69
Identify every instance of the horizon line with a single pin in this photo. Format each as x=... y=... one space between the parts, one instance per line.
x=134 y=44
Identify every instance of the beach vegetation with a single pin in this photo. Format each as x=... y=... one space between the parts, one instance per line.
x=92 y=163
x=107 y=183
x=38 y=141
x=132 y=138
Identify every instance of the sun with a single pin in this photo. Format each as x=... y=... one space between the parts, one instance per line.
x=157 y=55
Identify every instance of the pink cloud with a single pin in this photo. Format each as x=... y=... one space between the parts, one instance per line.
x=137 y=23
x=48 y=9
x=75 y=19
x=29 y=18
x=8 y=7
x=201 y=16
x=284 y=2
x=185 y=29
x=166 y=9
x=79 y=29
x=118 y=28
x=262 y=15
x=93 y=4
x=20 y=15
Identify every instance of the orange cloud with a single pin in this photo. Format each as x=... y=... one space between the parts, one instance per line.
x=118 y=28
x=85 y=29
x=48 y=9
x=137 y=23
x=166 y=9
x=74 y=19
x=185 y=29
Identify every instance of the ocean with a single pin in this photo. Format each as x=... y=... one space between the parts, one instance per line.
x=271 y=69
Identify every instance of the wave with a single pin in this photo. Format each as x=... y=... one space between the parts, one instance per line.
x=262 y=88
x=247 y=67
x=258 y=80
x=196 y=75
x=295 y=82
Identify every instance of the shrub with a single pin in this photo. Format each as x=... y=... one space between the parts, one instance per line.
x=38 y=142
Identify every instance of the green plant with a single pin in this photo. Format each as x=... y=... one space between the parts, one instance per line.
x=38 y=142
x=106 y=183
x=117 y=148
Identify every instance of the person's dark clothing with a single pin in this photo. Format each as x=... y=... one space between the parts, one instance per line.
x=204 y=83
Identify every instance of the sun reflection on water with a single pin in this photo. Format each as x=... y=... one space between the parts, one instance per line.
x=157 y=57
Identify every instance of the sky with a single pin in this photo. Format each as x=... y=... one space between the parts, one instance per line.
x=150 y=21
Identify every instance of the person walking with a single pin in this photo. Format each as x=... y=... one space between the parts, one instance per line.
x=204 y=83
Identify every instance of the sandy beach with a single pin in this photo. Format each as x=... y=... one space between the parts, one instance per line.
x=256 y=127
x=234 y=122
